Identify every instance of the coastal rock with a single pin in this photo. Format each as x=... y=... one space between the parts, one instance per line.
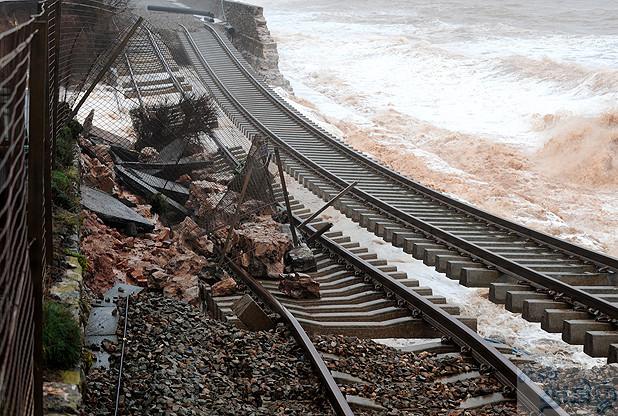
x=97 y=175
x=299 y=286
x=190 y=234
x=260 y=245
x=225 y=287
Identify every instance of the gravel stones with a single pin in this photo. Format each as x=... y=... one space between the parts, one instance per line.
x=407 y=383
x=580 y=391
x=180 y=362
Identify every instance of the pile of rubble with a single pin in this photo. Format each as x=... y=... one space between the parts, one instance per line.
x=133 y=199
x=171 y=261
x=179 y=362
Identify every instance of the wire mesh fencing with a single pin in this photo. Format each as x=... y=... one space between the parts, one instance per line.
x=16 y=287
x=45 y=59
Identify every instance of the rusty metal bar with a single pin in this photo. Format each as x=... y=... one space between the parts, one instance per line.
x=115 y=53
x=286 y=197
x=241 y=199
x=329 y=203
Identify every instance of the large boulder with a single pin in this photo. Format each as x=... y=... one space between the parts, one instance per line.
x=226 y=287
x=260 y=245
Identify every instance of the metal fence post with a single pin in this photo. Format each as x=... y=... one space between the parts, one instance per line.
x=36 y=195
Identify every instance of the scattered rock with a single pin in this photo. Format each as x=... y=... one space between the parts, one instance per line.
x=225 y=287
x=180 y=362
x=184 y=180
x=300 y=259
x=190 y=234
x=299 y=286
x=97 y=175
x=148 y=154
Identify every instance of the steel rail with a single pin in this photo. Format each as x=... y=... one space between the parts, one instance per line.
x=542 y=238
x=533 y=398
x=338 y=402
x=499 y=262
x=167 y=67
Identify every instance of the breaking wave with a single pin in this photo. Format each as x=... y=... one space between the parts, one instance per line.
x=583 y=150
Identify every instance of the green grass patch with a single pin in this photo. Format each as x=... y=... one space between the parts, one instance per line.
x=62 y=344
x=81 y=259
x=64 y=189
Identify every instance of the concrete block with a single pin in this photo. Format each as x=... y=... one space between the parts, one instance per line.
x=552 y=320
x=596 y=343
x=575 y=330
x=251 y=314
x=532 y=309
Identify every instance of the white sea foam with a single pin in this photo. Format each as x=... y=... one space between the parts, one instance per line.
x=483 y=72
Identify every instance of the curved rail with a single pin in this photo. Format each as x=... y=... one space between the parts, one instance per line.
x=531 y=396
x=339 y=403
x=499 y=262
x=599 y=258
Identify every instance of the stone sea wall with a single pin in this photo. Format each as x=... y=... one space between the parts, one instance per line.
x=250 y=36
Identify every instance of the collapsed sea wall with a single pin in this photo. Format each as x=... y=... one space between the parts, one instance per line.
x=250 y=36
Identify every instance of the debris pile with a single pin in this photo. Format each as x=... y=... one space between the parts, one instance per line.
x=179 y=362
x=260 y=245
x=156 y=260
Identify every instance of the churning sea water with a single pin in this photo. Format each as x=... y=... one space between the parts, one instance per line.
x=509 y=105
x=473 y=66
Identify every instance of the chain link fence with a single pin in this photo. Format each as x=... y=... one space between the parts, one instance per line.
x=46 y=63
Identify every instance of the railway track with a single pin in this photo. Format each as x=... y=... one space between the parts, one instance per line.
x=149 y=70
x=567 y=288
x=363 y=296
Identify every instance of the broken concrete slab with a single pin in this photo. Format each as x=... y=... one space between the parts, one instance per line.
x=97 y=134
x=122 y=290
x=123 y=154
x=167 y=187
x=112 y=211
x=251 y=314
x=173 y=151
x=170 y=170
x=300 y=259
x=103 y=321
x=176 y=212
